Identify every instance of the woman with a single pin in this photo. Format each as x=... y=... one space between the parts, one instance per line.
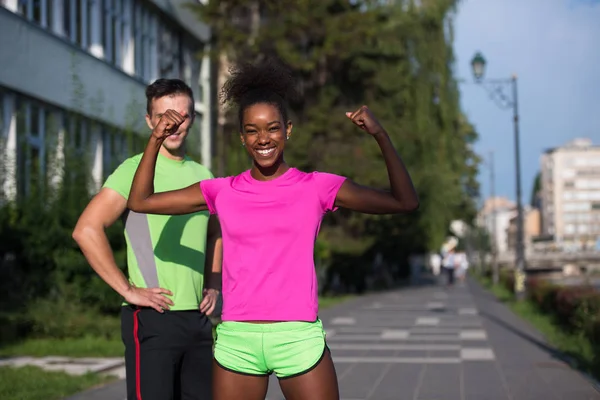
x=270 y=217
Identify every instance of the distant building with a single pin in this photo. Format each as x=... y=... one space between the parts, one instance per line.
x=74 y=73
x=570 y=193
x=531 y=228
x=495 y=217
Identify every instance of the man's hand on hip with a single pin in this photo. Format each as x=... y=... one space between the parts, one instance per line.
x=151 y=297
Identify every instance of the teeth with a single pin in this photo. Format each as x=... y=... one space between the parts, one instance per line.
x=265 y=152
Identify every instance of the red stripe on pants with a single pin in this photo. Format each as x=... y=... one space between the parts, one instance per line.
x=137 y=355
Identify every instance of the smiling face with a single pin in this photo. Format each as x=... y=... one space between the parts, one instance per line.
x=181 y=103
x=264 y=133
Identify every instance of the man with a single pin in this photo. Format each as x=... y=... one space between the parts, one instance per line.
x=449 y=260
x=174 y=266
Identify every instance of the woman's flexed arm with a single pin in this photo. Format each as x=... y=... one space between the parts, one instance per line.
x=142 y=198
x=401 y=199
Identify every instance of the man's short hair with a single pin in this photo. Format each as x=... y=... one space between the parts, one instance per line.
x=167 y=87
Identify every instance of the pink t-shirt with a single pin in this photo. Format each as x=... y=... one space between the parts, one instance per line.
x=269 y=231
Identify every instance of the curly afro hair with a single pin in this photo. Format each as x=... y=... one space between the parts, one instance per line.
x=268 y=81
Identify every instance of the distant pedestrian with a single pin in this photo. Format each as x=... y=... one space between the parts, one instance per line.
x=435 y=263
x=449 y=264
x=461 y=264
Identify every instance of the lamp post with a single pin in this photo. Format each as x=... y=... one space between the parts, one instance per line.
x=496 y=88
x=495 y=272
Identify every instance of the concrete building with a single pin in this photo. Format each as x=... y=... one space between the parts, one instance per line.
x=531 y=228
x=74 y=73
x=495 y=216
x=571 y=193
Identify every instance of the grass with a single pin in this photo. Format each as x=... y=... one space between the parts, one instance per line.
x=32 y=383
x=330 y=301
x=79 y=347
x=576 y=346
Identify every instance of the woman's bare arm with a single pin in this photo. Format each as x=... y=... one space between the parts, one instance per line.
x=402 y=197
x=142 y=198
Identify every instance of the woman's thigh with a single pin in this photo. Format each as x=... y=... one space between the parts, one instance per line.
x=228 y=385
x=320 y=383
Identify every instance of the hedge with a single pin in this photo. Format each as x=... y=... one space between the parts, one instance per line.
x=575 y=308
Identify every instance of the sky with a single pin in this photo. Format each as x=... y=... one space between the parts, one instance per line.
x=553 y=46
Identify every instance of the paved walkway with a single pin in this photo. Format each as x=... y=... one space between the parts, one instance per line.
x=431 y=343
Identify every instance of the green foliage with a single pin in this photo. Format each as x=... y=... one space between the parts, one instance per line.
x=576 y=309
x=479 y=238
x=47 y=288
x=567 y=316
x=397 y=58
x=535 y=190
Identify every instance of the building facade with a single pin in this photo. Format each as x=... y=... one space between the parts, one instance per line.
x=531 y=229
x=495 y=216
x=571 y=193
x=74 y=74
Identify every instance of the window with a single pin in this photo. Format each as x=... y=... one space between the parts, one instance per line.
x=2 y=127
x=38 y=11
x=189 y=68
x=568 y=195
x=77 y=134
x=576 y=206
x=570 y=229
x=587 y=161
x=144 y=30
x=584 y=228
x=169 y=52
x=114 y=149
x=587 y=183
x=31 y=127
x=75 y=18
x=569 y=162
x=113 y=30
x=107 y=166
x=591 y=195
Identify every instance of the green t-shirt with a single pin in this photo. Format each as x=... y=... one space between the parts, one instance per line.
x=163 y=250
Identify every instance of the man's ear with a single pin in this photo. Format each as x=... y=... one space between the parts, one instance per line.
x=149 y=122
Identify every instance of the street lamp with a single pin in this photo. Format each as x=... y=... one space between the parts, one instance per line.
x=478 y=66
x=495 y=88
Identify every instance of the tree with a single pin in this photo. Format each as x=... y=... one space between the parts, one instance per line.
x=536 y=190
x=397 y=58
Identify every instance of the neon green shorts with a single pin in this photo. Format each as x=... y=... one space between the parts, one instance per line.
x=286 y=348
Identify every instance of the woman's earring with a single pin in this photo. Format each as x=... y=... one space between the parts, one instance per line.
x=288 y=138
x=243 y=144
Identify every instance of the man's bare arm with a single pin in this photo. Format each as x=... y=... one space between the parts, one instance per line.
x=89 y=233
